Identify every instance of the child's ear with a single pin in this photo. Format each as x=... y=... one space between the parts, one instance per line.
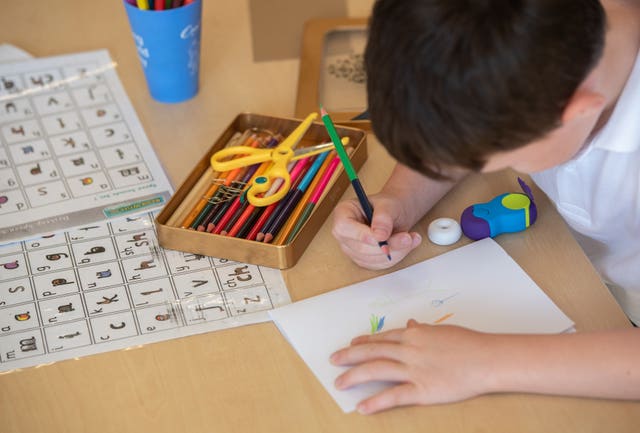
x=583 y=103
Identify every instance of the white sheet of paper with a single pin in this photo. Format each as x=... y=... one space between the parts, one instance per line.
x=478 y=286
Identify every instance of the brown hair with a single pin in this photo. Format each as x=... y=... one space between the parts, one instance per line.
x=450 y=82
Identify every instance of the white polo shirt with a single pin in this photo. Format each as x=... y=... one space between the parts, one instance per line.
x=598 y=194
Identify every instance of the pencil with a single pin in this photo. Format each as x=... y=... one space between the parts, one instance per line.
x=315 y=197
x=221 y=198
x=295 y=215
x=251 y=219
x=299 y=170
x=195 y=211
x=242 y=220
x=210 y=198
x=254 y=171
x=298 y=192
x=225 y=218
x=275 y=186
x=232 y=181
x=351 y=173
x=266 y=217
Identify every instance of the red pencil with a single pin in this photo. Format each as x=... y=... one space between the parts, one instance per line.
x=237 y=202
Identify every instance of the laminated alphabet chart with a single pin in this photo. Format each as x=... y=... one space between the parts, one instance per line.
x=109 y=286
x=72 y=150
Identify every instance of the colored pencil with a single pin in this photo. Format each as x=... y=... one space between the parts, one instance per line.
x=296 y=196
x=254 y=171
x=143 y=4
x=209 y=200
x=231 y=180
x=250 y=221
x=221 y=221
x=253 y=231
x=295 y=215
x=228 y=225
x=195 y=211
x=314 y=199
x=249 y=213
x=284 y=202
x=351 y=173
x=266 y=217
x=242 y=220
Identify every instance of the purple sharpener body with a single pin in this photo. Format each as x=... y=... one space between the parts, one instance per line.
x=506 y=213
x=473 y=227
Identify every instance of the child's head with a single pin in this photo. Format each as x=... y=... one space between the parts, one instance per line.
x=452 y=82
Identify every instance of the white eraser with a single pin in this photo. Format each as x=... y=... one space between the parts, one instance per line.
x=444 y=231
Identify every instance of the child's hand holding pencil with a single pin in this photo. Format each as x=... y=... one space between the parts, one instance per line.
x=360 y=241
x=353 y=177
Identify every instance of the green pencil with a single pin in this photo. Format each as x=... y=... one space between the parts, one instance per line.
x=351 y=173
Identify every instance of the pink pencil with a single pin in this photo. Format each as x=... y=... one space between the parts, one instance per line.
x=315 y=197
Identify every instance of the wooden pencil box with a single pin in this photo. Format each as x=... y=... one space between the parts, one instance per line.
x=168 y=221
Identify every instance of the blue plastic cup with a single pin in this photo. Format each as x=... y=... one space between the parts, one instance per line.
x=168 y=44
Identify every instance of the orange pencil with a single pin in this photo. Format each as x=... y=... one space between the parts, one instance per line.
x=190 y=218
x=241 y=221
x=211 y=203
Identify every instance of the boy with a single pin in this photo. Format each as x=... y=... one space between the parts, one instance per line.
x=547 y=87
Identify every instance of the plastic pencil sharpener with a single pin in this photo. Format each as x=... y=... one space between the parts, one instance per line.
x=506 y=213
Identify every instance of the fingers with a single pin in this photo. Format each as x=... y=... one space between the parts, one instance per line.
x=366 y=352
x=371 y=256
x=382 y=225
x=392 y=336
x=382 y=370
x=413 y=323
x=400 y=395
x=360 y=242
x=349 y=222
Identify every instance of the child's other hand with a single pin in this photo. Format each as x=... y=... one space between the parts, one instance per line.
x=359 y=241
x=431 y=364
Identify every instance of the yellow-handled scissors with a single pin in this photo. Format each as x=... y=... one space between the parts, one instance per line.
x=279 y=156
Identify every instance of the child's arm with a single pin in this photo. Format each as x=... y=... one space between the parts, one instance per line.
x=440 y=364
x=403 y=200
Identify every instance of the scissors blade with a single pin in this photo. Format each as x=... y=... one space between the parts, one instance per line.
x=312 y=150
